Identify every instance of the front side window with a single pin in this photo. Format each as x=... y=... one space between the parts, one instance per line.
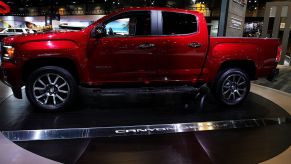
x=178 y=23
x=136 y=23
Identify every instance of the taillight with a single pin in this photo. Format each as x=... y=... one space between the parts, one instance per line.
x=279 y=53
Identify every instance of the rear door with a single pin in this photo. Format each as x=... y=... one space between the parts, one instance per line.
x=182 y=47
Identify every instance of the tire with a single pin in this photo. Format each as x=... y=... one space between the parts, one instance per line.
x=51 y=88
x=231 y=86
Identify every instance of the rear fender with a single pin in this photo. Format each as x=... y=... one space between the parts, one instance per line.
x=226 y=52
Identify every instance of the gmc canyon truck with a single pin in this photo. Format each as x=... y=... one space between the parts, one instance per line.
x=135 y=47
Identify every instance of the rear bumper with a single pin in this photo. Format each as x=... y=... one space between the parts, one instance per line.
x=273 y=74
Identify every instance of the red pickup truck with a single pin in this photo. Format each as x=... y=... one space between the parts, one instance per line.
x=135 y=46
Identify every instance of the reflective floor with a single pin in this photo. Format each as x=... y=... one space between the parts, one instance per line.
x=125 y=110
x=228 y=146
x=246 y=145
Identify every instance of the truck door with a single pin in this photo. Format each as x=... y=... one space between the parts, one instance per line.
x=125 y=54
x=182 y=46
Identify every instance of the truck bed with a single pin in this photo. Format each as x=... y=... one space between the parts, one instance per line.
x=261 y=51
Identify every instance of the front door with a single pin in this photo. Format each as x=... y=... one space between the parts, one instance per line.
x=126 y=53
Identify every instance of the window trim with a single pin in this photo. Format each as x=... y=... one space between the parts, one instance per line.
x=161 y=25
x=154 y=23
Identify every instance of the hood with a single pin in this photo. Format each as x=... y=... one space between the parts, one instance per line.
x=18 y=39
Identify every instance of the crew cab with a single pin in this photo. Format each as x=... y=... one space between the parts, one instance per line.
x=135 y=46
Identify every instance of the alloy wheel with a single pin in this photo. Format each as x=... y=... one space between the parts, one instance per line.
x=51 y=89
x=234 y=88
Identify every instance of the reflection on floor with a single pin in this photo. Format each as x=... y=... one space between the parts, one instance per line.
x=251 y=145
x=282 y=82
x=12 y=153
x=124 y=110
x=4 y=92
x=283 y=99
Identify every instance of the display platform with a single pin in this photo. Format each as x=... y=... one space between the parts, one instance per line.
x=127 y=110
x=237 y=144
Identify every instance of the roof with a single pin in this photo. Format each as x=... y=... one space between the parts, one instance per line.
x=157 y=8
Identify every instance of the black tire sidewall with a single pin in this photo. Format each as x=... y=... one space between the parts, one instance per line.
x=219 y=83
x=56 y=70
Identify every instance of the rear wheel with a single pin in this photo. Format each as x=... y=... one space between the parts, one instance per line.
x=232 y=86
x=51 y=88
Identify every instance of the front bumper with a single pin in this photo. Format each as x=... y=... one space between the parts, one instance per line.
x=273 y=74
x=3 y=76
x=9 y=76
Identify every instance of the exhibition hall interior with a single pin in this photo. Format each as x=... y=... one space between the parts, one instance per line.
x=145 y=81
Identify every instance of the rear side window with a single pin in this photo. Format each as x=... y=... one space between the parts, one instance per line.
x=178 y=23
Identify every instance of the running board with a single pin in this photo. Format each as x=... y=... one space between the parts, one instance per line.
x=199 y=93
x=139 y=90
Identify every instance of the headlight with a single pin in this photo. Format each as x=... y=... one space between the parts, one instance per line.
x=8 y=53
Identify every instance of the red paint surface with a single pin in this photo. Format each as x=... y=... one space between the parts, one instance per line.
x=118 y=60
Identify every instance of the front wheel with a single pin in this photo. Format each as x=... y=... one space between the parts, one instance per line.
x=232 y=86
x=51 y=88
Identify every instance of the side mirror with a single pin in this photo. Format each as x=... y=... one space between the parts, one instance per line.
x=100 y=31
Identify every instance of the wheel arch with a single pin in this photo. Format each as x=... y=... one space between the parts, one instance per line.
x=246 y=65
x=64 y=63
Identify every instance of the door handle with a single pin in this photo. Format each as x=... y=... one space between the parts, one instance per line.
x=146 y=45
x=194 y=45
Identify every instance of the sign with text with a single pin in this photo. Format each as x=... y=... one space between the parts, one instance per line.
x=236 y=18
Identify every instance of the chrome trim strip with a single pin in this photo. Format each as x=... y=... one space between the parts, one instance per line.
x=103 y=67
x=93 y=132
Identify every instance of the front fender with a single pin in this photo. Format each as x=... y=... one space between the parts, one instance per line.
x=56 y=50
x=48 y=48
